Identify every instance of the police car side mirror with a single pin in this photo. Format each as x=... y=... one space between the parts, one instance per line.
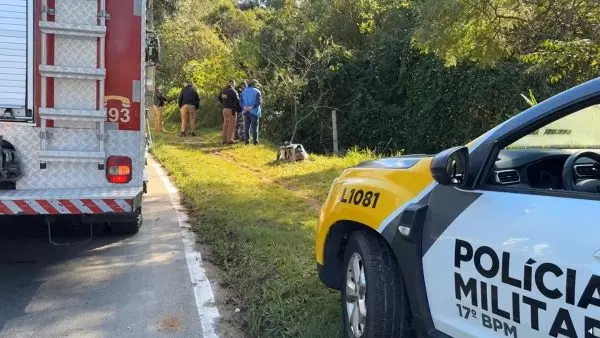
x=450 y=166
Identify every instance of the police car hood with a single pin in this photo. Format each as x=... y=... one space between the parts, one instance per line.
x=397 y=162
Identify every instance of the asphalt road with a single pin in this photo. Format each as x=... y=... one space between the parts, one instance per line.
x=113 y=286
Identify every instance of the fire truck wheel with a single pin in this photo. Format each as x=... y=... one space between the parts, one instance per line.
x=373 y=297
x=129 y=227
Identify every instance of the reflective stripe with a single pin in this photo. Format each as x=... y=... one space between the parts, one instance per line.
x=126 y=205
x=114 y=206
x=47 y=206
x=64 y=207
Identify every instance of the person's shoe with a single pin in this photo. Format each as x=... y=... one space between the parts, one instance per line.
x=182 y=134
x=193 y=134
x=231 y=142
x=255 y=143
x=247 y=142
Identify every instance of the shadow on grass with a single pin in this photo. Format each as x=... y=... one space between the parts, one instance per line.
x=318 y=182
x=208 y=143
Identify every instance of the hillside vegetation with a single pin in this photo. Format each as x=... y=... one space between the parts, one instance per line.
x=412 y=75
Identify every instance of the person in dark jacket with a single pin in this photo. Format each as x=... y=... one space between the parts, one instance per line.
x=189 y=103
x=231 y=104
x=239 y=128
x=159 y=106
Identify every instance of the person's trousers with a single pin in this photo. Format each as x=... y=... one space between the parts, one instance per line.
x=251 y=126
x=229 y=121
x=158 y=113
x=188 y=113
x=239 y=127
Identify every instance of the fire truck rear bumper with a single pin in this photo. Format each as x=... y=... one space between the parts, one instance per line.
x=71 y=201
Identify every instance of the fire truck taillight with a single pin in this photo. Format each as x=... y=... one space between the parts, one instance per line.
x=118 y=169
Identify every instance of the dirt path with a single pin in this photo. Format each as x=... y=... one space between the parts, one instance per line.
x=314 y=203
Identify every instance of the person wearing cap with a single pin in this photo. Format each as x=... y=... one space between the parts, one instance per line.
x=231 y=103
x=189 y=103
x=252 y=109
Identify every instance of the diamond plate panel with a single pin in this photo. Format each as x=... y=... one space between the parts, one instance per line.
x=82 y=12
x=76 y=52
x=75 y=124
x=74 y=94
x=71 y=175
x=85 y=140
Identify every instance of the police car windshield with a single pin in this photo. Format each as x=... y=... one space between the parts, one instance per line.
x=580 y=130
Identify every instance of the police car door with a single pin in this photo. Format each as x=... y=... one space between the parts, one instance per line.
x=518 y=259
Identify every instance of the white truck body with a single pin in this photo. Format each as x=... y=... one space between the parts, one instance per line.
x=72 y=99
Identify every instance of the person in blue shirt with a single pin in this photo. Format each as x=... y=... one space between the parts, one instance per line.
x=252 y=109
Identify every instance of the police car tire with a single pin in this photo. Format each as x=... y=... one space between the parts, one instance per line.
x=388 y=312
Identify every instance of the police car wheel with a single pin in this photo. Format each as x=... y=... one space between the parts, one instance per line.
x=373 y=298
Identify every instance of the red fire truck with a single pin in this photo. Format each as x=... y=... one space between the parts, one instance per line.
x=73 y=81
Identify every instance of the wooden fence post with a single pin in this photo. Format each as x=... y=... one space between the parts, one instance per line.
x=336 y=150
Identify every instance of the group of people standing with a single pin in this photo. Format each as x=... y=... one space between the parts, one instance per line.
x=242 y=109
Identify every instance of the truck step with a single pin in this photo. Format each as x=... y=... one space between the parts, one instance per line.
x=65 y=29
x=72 y=114
x=72 y=156
x=73 y=72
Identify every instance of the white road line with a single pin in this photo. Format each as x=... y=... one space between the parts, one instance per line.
x=205 y=299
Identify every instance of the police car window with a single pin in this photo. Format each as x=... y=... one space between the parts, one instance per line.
x=579 y=130
x=563 y=155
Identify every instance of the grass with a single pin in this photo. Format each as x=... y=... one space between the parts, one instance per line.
x=258 y=220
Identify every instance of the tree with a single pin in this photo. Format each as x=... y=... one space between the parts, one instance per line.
x=162 y=9
x=542 y=32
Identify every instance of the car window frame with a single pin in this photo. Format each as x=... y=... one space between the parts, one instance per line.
x=502 y=141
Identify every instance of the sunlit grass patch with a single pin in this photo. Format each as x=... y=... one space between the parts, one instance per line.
x=261 y=233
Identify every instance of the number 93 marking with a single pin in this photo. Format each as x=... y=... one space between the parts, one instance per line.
x=360 y=198
x=116 y=115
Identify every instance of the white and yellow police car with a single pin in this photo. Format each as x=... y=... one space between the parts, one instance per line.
x=499 y=238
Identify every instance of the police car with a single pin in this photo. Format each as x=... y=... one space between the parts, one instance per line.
x=499 y=238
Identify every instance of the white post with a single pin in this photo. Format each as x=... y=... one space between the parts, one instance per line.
x=336 y=150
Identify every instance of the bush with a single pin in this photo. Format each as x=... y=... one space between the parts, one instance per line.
x=421 y=107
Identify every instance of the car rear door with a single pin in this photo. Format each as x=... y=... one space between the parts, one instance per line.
x=512 y=264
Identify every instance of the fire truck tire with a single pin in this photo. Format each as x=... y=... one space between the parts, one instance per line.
x=129 y=227
x=376 y=305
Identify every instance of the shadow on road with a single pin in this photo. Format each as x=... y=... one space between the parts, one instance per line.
x=27 y=259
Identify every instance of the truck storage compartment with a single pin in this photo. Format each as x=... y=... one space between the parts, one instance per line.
x=16 y=59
